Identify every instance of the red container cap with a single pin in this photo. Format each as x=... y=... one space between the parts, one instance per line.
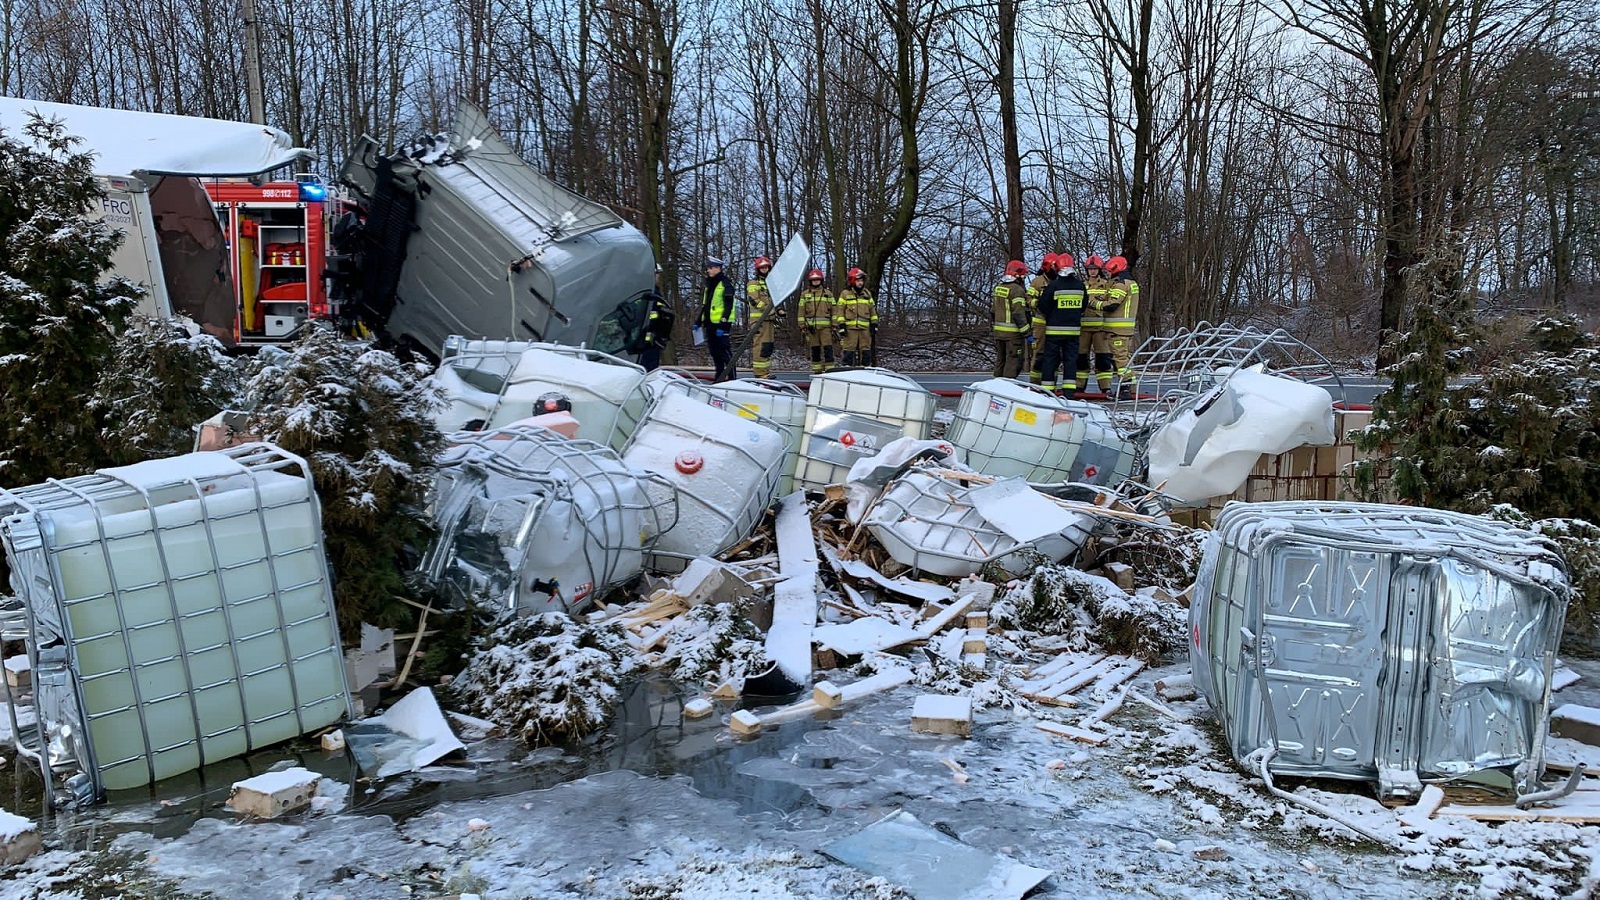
x=689 y=462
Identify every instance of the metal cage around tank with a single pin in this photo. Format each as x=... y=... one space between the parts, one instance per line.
x=176 y=613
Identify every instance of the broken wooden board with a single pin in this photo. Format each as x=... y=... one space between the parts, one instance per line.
x=949 y=614
x=864 y=635
x=924 y=591
x=794 y=600
x=1077 y=734
x=825 y=695
x=1580 y=806
x=1580 y=723
x=1564 y=678
x=1427 y=804
x=1077 y=669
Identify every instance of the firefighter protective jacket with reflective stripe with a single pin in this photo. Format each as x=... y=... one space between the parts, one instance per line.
x=1062 y=305
x=1123 y=318
x=1098 y=295
x=717 y=305
x=1035 y=290
x=816 y=307
x=1010 y=307
x=759 y=298
x=855 y=309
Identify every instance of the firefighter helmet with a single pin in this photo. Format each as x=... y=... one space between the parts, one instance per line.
x=1116 y=265
x=760 y=262
x=1064 y=262
x=855 y=277
x=1094 y=262
x=1049 y=264
x=1016 y=268
x=814 y=275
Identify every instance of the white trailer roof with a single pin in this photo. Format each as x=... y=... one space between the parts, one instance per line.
x=127 y=142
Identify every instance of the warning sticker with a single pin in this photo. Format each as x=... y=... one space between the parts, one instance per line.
x=1025 y=416
x=997 y=405
x=1058 y=418
x=748 y=412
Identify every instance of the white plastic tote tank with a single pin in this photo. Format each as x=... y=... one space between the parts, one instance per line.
x=607 y=393
x=180 y=611
x=851 y=415
x=725 y=470
x=778 y=401
x=1008 y=429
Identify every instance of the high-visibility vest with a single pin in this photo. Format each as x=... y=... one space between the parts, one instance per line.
x=719 y=306
x=759 y=298
x=855 y=309
x=1035 y=290
x=816 y=307
x=1010 y=308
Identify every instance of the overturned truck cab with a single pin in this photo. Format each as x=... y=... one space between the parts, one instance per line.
x=1382 y=643
x=458 y=235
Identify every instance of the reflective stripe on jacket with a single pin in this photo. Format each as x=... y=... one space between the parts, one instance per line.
x=855 y=309
x=816 y=307
x=759 y=298
x=1010 y=308
x=1124 y=319
x=1097 y=299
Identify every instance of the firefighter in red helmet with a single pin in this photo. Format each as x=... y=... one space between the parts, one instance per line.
x=760 y=306
x=1010 y=320
x=856 y=316
x=816 y=320
x=1035 y=341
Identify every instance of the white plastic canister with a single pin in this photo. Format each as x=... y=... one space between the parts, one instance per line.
x=780 y=402
x=607 y=393
x=851 y=415
x=1008 y=429
x=725 y=470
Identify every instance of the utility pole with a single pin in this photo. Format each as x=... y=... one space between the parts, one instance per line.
x=252 y=64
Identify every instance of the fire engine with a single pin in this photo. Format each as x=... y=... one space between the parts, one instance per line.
x=276 y=235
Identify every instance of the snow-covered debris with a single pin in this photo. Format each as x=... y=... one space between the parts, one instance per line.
x=546 y=678
x=1066 y=601
x=715 y=642
x=410 y=735
x=900 y=848
x=271 y=795
x=19 y=839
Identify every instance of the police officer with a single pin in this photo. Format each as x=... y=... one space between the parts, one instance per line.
x=717 y=306
x=1062 y=304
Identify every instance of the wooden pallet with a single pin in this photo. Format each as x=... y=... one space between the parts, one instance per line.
x=1057 y=682
x=1581 y=806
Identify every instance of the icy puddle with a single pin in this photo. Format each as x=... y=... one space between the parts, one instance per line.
x=668 y=807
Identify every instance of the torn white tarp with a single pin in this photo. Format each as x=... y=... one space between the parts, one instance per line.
x=410 y=735
x=869 y=476
x=126 y=142
x=1209 y=449
x=932 y=865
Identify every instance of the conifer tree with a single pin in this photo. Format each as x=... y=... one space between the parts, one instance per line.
x=363 y=420
x=57 y=316
x=161 y=382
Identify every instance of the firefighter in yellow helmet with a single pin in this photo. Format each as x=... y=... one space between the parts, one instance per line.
x=1047 y=272
x=1122 y=318
x=760 y=306
x=816 y=320
x=1010 y=320
x=856 y=315
x=1094 y=341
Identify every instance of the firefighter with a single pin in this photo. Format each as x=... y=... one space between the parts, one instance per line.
x=717 y=308
x=1010 y=320
x=760 y=306
x=856 y=316
x=1094 y=342
x=657 y=327
x=816 y=319
x=1062 y=304
x=1035 y=342
x=1122 y=319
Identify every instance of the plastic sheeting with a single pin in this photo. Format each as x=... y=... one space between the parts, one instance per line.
x=1209 y=449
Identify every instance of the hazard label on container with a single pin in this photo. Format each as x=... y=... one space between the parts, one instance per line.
x=847 y=439
x=1025 y=416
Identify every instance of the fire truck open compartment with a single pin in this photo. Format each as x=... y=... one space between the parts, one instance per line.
x=276 y=235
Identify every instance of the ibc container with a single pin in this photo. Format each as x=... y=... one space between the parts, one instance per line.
x=1383 y=643
x=852 y=414
x=723 y=468
x=606 y=392
x=778 y=401
x=179 y=611
x=1008 y=429
x=539 y=522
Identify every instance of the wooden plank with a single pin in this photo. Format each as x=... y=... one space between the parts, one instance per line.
x=1067 y=731
x=936 y=624
x=1105 y=710
x=1586 y=813
x=1048 y=685
x=1564 y=678
x=794 y=600
x=1071 y=685
x=1109 y=681
x=1427 y=804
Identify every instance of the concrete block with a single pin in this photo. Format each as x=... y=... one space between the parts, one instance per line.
x=1121 y=574
x=19 y=839
x=939 y=714
x=1580 y=723
x=745 y=722
x=275 y=793
x=977 y=641
x=698 y=708
x=333 y=741
x=978 y=619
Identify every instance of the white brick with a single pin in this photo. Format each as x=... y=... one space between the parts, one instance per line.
x=698 y=708
x=19 y=839
x=17 y=671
